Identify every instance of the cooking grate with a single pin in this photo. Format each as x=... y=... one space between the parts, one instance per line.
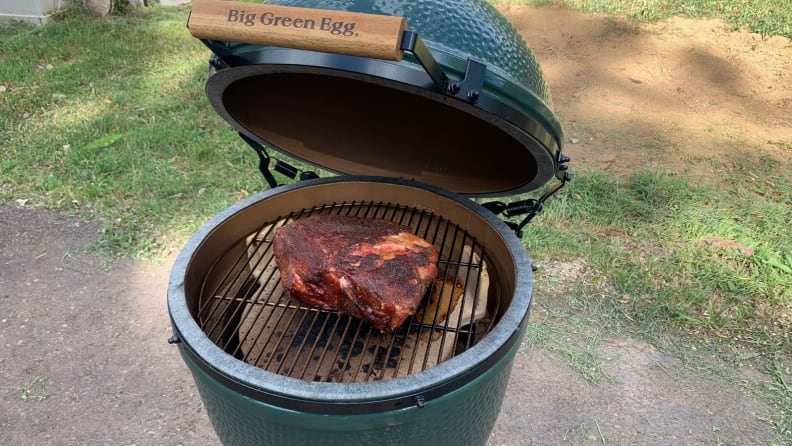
x=244 y=310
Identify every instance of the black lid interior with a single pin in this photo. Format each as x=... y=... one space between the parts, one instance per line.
x=356 y=125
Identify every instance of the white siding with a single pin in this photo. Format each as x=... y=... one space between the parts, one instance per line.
x=31 y=11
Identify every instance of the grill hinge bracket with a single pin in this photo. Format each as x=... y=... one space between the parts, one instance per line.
x=267 y=164
x=468 y=89
x=413 y=43
x=531 y=207
x=220 y=52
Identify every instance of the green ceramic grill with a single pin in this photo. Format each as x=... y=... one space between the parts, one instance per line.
x=417 y=107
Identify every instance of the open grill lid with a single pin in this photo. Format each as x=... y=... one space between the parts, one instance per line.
x=457 y=101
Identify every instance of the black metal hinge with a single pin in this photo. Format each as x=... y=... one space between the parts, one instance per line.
x=468 y=89
x=531 y=207
x=267 y=164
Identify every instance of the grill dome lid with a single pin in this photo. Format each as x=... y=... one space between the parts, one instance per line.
x=483 y=126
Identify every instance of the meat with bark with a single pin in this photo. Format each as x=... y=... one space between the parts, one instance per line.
x=371 y=269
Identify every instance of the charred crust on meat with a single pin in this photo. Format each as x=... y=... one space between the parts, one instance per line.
x=373 y=269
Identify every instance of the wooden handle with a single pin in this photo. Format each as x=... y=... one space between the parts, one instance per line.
x=340 y=32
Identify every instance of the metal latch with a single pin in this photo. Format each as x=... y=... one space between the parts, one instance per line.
x=530 y=207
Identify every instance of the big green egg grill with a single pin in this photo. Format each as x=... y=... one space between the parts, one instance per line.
x=424 y=112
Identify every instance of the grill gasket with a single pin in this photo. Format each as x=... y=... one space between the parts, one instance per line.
x=226 y=302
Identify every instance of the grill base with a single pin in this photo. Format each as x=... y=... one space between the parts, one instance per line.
x=464 y=416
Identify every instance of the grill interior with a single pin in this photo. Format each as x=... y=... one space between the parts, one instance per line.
x=348 y=136
x=243 y=309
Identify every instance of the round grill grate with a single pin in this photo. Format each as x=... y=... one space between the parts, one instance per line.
x=244 y=310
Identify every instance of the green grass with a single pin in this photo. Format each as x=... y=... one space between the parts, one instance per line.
x=35 y=391
x=107 y=118
x=767 y=17
x=707 y=259
x=701 y=271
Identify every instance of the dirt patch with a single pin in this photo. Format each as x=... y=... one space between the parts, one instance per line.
x=650 y=399
x=83 y=342
x=680 y=95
